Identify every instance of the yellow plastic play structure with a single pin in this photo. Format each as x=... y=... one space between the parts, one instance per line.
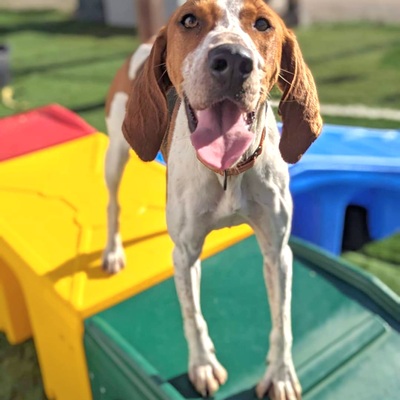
x=52 y=234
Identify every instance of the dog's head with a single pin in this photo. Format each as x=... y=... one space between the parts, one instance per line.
x=223 y=57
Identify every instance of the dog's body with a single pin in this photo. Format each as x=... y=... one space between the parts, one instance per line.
x=221 y=58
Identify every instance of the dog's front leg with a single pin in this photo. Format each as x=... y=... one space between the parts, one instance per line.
x=205 y=372
x=272 y=230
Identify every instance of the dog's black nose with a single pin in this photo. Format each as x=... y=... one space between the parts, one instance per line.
x=230 y=64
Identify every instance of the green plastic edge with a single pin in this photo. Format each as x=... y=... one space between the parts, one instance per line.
x=370 y=285
x=315 y=370
x=142 y=374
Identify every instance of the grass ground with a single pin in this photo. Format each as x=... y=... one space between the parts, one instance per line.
x=381 y=259
x=58 y=60
x=55 y=59
x=20 y=377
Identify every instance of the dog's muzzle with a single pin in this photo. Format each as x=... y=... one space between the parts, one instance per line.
x=230 y=65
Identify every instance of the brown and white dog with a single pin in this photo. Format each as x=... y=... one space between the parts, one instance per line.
x=218 y=61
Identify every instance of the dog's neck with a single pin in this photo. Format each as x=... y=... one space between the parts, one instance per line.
x=259 y=126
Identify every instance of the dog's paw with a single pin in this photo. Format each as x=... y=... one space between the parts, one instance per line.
x=114 y=260
x=207 y=377
x=280 y=382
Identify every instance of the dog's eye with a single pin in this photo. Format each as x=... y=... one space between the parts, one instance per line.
x=262 y=24
x=189 y=21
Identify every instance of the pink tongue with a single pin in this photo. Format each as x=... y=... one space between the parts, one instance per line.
x=221 y=136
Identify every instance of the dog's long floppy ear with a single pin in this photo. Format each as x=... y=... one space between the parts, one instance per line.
x=146 y=119
x=299 y=106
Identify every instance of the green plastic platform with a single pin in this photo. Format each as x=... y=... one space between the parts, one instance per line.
x=345 y=326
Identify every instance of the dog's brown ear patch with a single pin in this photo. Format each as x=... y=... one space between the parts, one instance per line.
x=299 y=106
x=146 y=119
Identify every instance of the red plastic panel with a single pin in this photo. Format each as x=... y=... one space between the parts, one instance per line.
x=38 y=129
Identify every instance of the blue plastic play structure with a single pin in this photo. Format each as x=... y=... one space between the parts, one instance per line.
x=347 y=166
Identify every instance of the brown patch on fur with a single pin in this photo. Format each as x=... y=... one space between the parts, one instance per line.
x=299 y=106
x=146 y=119
x=268 y=43
x=120 y=83
x=182 y=41
x=285 y=66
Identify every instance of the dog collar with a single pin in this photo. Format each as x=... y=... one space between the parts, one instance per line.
x=241 y=167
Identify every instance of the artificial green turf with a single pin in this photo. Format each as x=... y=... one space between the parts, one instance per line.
x=20 y=377
x=56 y=59
x=357 y=63
x=381 y=259
x=369 y=123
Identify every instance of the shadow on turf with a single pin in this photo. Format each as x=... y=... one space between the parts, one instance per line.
x=74 y=63
x=35 y=21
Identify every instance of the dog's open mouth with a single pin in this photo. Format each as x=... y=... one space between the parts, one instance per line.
x=221 y=134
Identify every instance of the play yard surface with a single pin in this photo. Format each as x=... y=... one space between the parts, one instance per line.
x=58 y=60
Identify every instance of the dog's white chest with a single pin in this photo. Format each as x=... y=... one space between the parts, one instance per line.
x=232 y=205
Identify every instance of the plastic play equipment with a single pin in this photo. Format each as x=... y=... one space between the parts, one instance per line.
x=52 y=233
x=342 y=349
x=38 y=129
x=345 y=167
x=21 y=135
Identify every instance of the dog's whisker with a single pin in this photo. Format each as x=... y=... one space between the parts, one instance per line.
x=288 y=72
x=285 y=80
x=162 y=75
